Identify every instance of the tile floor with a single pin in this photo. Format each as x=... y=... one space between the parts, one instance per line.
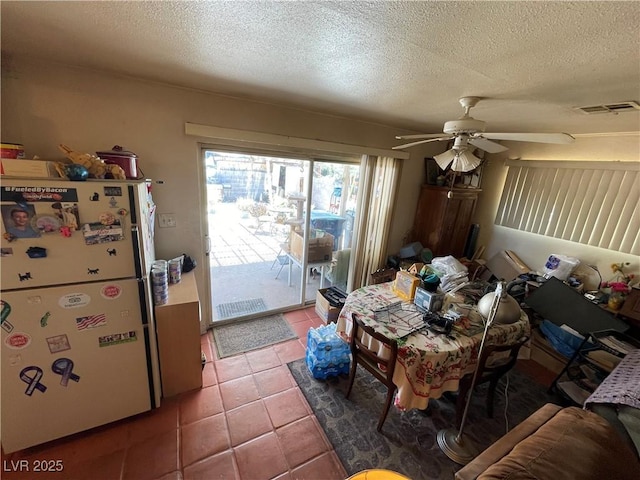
x=248 y=422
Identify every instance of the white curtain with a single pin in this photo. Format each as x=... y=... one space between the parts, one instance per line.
x=378 y=184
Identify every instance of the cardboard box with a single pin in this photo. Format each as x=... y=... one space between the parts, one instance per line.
x=430 y=301
x=324 y=309
x=320 y=248
x=17 y=167
x=543 y=353
x=415 y=268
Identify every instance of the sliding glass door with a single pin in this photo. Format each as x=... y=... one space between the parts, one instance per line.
x=271 y=248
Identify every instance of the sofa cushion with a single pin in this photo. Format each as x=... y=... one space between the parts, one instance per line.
x=574 y=444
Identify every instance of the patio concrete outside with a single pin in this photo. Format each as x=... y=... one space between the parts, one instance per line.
x=244 y=263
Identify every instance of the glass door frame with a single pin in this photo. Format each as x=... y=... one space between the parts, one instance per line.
x=309 y=163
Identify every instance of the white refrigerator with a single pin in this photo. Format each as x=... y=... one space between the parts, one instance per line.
x=78 y=337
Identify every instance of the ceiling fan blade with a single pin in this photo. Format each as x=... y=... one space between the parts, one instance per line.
x=487 y=145
x=419 y=135
x=562 y=138
x=407 y=145
x=444 y=159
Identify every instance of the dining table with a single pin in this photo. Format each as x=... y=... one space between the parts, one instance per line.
x=428 y=363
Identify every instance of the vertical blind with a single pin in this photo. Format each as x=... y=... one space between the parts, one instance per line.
x=593 y=203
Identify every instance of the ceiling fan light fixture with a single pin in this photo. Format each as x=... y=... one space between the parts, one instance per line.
x=465 y=161
x=460 y=158
x=444 y=159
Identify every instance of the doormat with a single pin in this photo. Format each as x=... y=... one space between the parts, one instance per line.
x=240 y=337
x=243 y=307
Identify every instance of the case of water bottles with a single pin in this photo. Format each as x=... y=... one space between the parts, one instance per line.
x=327 y=354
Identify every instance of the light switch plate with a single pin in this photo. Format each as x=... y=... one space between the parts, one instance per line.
x=166 y=220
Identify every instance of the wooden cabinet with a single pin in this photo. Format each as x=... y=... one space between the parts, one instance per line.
x=178 y=332
x=443 y=218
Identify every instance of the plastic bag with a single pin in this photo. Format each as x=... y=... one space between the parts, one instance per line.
x=561 y=340
x=560 y=266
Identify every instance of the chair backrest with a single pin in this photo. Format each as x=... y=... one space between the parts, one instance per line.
x=381 y=368
x=383 y=275
x=492 y=362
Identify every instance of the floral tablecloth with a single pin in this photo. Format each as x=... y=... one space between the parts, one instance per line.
x=428 y=364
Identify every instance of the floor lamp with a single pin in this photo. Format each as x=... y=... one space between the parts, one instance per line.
x=453 y=443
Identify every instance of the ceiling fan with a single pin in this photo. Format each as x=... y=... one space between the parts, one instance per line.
x=466 y=131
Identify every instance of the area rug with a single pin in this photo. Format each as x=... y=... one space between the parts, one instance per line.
x=408 y=444
x=243 y=307
x=247 y=335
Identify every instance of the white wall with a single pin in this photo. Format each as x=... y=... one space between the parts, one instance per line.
x=534 y=249
x=44 y=105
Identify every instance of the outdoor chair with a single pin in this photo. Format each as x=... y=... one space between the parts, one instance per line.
x=496 y=360
x=379 y=367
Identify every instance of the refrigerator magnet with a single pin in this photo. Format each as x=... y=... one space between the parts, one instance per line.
x=33 y=382
x=64 y=368
x=18 y=340
x=113 y=191
x=5 y=312
x=117 y=338
x=25 y=276
x=6 y=252
x=112 y=252
x=58 y=343
x=44 y=319
x=46 y=223
x=37 y=252
x=74 y=300
x=93 y=271
x=111 y=291
x=4 y=322
x=98 y=232
x=91 y=321
x=95 y=197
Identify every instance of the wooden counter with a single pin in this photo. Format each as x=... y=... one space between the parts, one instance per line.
x=178 y=332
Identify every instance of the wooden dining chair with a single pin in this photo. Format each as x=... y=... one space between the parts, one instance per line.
x=379 y=367
x=383 y=275
x=496 y=360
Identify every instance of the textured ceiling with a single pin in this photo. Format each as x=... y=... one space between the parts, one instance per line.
x=399 y=63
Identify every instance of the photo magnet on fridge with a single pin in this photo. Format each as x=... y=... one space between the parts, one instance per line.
x=58 y=343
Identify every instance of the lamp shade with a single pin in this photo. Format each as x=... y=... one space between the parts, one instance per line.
x=444 y=159
x=463 y=160
x=508 y=310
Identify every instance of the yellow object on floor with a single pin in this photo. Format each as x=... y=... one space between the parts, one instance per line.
x=377 y=474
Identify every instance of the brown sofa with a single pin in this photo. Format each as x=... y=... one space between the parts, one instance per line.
x=557 y=443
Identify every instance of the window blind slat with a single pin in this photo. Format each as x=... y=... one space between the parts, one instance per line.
x=582 y=204
x=601 y=185
x=590 y=204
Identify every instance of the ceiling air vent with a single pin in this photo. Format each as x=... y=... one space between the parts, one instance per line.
x=614 y=108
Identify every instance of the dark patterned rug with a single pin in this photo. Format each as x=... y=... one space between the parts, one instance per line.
x=408 y=444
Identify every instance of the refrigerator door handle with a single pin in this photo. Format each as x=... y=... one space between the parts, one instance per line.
x=208 y=248
x=136 y=251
